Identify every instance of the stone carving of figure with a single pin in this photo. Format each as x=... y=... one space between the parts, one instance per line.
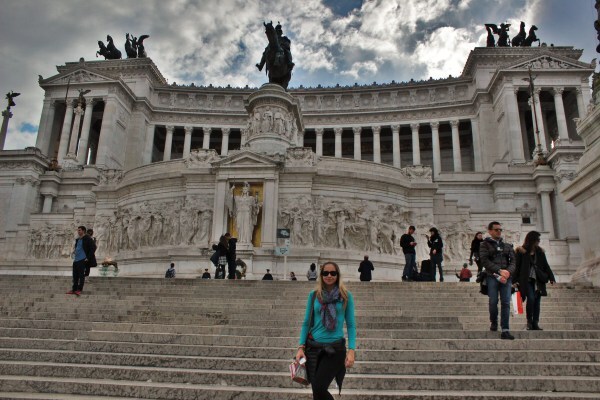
x=267 y=121
x=205 y=226
x=412 y=97
x=245 y=209
x=340 y=225
x=451 y=93
x=279 y=127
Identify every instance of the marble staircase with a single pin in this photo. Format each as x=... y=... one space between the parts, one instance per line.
x=127 y=338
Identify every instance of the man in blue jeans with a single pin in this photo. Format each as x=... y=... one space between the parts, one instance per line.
x=407 y=242
x=83 y=252
x=498 y=261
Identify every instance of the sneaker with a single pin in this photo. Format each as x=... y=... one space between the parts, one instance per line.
x=78 y=292
x=530 y=326
x=70 y=292
x=404 y=279
x=506 y=335
x=536 y=327
x=494 y=327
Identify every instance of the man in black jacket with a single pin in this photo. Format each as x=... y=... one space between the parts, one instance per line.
x=407 y=242
x=231 y=255
x=365 y=269
x=83 y=252
x=498 y=261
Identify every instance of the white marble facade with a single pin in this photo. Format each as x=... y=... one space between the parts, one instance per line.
x=347 y=169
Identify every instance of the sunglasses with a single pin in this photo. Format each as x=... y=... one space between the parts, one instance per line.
x=327 y=273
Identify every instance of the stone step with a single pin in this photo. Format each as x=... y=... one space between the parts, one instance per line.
x=282 y=380
x=523 y=342
x=26 y=388
x=286 y=353
x=261 y=330
x=278 y=365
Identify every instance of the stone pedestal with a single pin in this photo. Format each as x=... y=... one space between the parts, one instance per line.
x=274 y=120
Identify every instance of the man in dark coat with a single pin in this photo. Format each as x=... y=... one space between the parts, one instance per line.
x=83 y=252
x=231 y=255
x=365 y=269
x=268 y=276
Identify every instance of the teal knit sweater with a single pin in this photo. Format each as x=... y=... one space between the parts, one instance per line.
x=320 y=333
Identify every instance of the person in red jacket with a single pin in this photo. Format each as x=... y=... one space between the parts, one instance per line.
x=465 y=274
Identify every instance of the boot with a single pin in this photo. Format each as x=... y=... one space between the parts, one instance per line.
x=536 y=327
x=529 y=325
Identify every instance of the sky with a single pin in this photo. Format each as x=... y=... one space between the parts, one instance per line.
x=218 y=42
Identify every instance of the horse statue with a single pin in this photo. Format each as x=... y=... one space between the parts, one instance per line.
x=491 y=29
x=114 y=52
x=103 y=50
x=277 y=56
x=141 y=52
x=520 y=37
x=531 y=37
x=130 y=46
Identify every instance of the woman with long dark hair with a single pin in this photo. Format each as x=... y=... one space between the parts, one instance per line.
x=311 y=275
x=436 y=253
x=531 y=275
x=322 y=339
x=475 y=251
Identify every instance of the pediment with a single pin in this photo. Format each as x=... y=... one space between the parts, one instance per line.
x=80 y=75
x=247 y=158
x=548 y=61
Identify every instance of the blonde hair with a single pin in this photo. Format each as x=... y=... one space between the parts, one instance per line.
x=321 y=285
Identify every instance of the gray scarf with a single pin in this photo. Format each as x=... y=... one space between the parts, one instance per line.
x=328 y=310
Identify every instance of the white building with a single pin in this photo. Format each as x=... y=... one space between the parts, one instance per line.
x=347 y=169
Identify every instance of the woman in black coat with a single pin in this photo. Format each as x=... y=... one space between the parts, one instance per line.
x=531 y=275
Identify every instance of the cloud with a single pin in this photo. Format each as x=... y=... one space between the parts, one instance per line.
x=219 y=41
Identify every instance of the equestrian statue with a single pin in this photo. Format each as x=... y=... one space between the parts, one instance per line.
x=277 y=56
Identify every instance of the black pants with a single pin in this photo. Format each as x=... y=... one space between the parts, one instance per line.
x=327 y=368
x=436 y=263
x=231 y=269
x=78 y=275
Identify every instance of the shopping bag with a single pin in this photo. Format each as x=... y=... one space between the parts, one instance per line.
x=298 y=372
x=517 y=303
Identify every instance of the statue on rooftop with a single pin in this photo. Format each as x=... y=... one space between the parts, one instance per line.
x=109 y=52
x=277 y=56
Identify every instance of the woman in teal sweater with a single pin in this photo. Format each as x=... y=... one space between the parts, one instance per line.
x=323 y=344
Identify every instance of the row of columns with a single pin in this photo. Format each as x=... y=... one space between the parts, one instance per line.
x=71 y=145
x=416 y=151
x=187 y=141
x=561 y=119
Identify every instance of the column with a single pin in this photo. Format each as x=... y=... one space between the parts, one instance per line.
x=540 y=119
x=64 y=133
x=477 y=156
x=85 y=132
x=561 y=119
x=168 y=143
x=225 y=141
x=6 y=116
x=396 y=145
x=547 y=213
x=45 y=128
x=515 y=135
x=107 y=133
x=376 y=144
x=219 y=223
x=269 y=226
x=75 y=132
x=300 y=139
x=582 y=111
x=149 y=143
x=338 y=142
x=435 y=141
x=206 y=140
x=187 y=141
x=47 y=207
x=357 y=149
x=416 y=148
x=319 y=132
x=456 y=147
